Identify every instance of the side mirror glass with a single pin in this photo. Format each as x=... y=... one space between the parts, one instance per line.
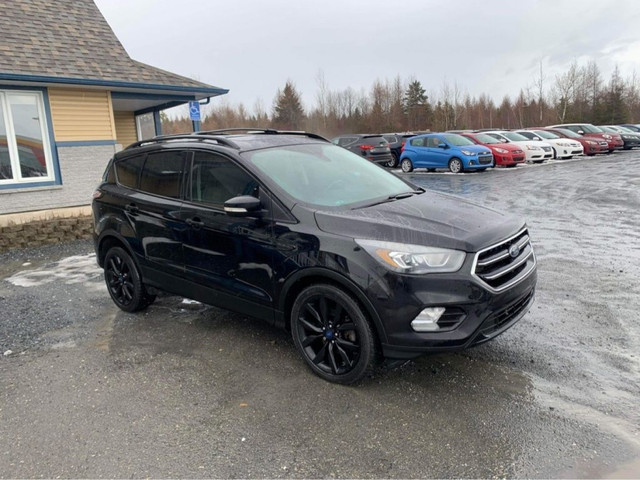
x=242 y=206
x=580 y=132
x=443 y=145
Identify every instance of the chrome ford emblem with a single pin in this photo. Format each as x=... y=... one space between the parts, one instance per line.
x=514 y=251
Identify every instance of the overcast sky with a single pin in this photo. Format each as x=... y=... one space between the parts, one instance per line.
x=490 y=46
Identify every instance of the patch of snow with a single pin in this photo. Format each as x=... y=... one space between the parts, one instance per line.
x=70 y=270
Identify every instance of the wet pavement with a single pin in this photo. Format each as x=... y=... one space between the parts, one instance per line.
x=186 y=390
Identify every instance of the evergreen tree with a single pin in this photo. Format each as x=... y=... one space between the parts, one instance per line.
x=416 y=107
x=287 y=109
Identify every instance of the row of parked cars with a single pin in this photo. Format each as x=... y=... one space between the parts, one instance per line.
x=467 y=150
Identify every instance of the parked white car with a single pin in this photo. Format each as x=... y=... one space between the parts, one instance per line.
x=535 y=151
x=562 y=147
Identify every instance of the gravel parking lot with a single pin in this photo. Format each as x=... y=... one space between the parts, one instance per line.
x=186 y=390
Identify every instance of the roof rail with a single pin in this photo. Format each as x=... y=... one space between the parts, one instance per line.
x=265 y=131
x=198 y=137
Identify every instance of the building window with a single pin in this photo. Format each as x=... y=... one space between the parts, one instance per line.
x=25 y=151
x=146 y=126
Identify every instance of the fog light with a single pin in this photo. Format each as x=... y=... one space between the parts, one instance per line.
x=427 y=319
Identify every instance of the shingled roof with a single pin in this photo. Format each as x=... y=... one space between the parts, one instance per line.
x=70 y=39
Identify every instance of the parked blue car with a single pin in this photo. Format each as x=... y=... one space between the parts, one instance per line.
x=444 y=150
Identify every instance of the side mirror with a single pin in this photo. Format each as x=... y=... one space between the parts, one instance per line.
x=443 y=145
x=242 y=206
x=536 y=139
x=580 y=132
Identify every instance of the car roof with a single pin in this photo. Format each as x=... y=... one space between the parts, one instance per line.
x=241 y=139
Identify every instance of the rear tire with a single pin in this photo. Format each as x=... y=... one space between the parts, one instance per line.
x=456 y=166
x=406 y=165
x=393 y=163
x=333 y=334
x=123 y=281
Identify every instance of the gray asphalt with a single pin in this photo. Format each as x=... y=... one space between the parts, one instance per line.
x=186 y=390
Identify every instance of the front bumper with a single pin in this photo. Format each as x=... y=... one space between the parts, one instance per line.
x=476 y=313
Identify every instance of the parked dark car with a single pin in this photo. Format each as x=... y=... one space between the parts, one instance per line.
x=632 y=126
x=396 y=144
x=630 y=139
x=373 y=147
x=355 y=262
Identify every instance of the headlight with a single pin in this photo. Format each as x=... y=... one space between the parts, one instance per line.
x=592 y=143
x=468 y=153
x=563 y=144
x=532 y=147
x=502 y=150
x=416 y=259
x=607 y=137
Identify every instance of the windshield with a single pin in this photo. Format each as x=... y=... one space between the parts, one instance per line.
x=514 y=137
x=325 y=175
x=547 y=135
x=608 y=129
x=457 y=140
x=569 y=133
x=484 y=138
x=590 y=129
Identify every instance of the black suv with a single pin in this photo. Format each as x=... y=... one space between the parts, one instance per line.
x=373 y=147
x=355 y=262
x=396 y=144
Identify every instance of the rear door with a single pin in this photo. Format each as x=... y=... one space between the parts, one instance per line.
x=156 y=210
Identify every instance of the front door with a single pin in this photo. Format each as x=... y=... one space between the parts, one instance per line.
x=231 y=257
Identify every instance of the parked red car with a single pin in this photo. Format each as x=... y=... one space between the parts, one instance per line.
x=592 y=146
x=504 y=154
x=591 y=131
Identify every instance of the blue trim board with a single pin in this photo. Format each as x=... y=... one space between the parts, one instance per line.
x=15 y=186
x=86 y=143
x=14 y=77
x=57 y=174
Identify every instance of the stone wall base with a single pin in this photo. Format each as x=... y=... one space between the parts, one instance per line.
x=45 y=232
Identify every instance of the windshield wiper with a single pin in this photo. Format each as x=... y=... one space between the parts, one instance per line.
x=391 y=198
x=402 y=195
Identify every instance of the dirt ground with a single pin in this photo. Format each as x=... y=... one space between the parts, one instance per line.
x=187 y=390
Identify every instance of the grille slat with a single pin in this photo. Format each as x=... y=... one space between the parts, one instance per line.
x=505 y=263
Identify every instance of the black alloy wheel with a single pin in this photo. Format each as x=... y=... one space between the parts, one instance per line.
x=393 y=163
x=332 y=334
x=123 y=281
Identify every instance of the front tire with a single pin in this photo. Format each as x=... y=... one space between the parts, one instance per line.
x=123 y=281
x=455 y=165
x=406 y=165
x=332 y=334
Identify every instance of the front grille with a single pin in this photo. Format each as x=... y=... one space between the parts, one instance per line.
x=518 y=159
x=506 y=263
x=517 y=152
x=501 y=318
x=485 y=160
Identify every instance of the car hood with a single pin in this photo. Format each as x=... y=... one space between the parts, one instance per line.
x=534 y=143
x=433 y=219
x=475 y=148
x=510 y=147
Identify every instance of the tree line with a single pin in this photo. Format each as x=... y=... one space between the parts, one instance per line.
x=580 y=94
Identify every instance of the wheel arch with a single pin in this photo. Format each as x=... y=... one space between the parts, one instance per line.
x=108 y=240
x=309 y=276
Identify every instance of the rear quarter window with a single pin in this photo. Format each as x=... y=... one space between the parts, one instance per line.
x=128 y=170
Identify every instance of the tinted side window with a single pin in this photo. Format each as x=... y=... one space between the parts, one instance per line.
x=417 y=142
x=216 y=179
x=162 y=173
x=128 y=171
x=390 y=138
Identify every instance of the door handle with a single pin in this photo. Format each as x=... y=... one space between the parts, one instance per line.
x=132 y=208
x=195 y=223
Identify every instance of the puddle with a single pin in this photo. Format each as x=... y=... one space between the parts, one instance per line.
x=70 y=270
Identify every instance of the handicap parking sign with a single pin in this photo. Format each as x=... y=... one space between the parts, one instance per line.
x=194 y=111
